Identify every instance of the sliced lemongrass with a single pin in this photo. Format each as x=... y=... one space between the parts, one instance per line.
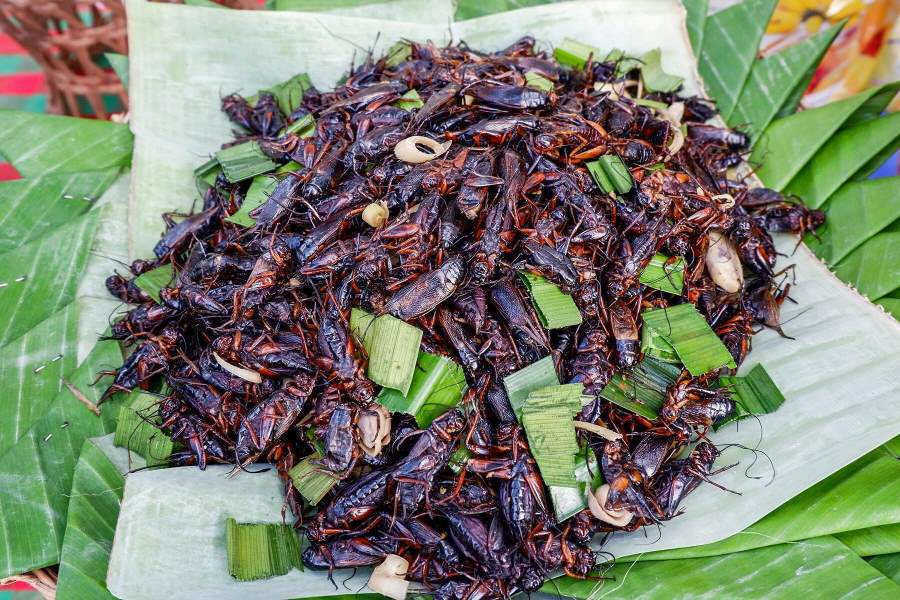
x=605 y=433
x=245 y=374
x=408 y=150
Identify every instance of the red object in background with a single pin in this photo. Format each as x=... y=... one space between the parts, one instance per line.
x=17 y=84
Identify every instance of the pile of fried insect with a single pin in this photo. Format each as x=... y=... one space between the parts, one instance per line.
x=431 y=214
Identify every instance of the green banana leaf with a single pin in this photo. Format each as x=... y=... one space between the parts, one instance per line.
x=818 y=568
x=37 y=144
x=873 y=268
x=97 y=487
x=119 y=64
x=730 y=43
x=34 y=207
x=470 y=9
x=872 y=541
x=695 y=22
x=857 y=497
x=773 y=79
x=39 y=467
x=889 y=564
x=789 y=143
x=855 y=213
x=839 y=158
x=891 y=305
x=412 y=11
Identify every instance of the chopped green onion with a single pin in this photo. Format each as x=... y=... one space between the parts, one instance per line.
x=311 y=482
x=611 y=174
x=696 y=344
x=155 y=279
x=399 y=53
x=535 y=80
x=568 y=501
x=437 y=386
x=555 y=308
x=754 y=394
x=244 y=161
x=303 y=127
x=261 y=550
x=643 y=390
x=392 y=346
x=664 y=274
x=289 y=94
x=653 y=76
x=651 y=103
x=537 y=375
x=138 y=430
x=409 y=101
x=547 y=419
x=259 y=191
x=574 y=54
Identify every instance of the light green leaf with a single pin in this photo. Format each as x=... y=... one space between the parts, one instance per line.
x=555 y=309
x=469 y=9
x=392 y=347
x=33 y=207
x=409 y=101
x=856 y=497
x=642 y=390
x=730 y=43
x=243 y=161
x=38 y=144
x=289 y=93
x=97 y=488
x=535 y=80
x=891 y=305
x=654 y=77
x=754 y=394
x=40 y=277
x=410 y=11
x=873 y=268
x=883 y=539
x=876 y=102
x=575 y=54
x=664 y=274
x=261 y=550
x=259 y=191
x=154 y=280
x=696 y=22
x=138 y=430
x=539 y=374
x=889 y=564
x=773 y=78
x=874 y=163
x=311 y=482
x=790 y=142
x=855 y=213
x=696 y=344
x=809 y=568
x=568 y=501
x=436 y=387
x=119 y=63
x=841 y=157
x=41 y=464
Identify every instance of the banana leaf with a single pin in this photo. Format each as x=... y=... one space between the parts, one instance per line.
x=730 y=43
x=817 y=568
x=842 y=156
x=696 y=22
x=470 y=9
x=889 y=564
x=773 y=78
x=97 y=488
x=830 y=322
x=855 y=213
x=872 y=541
x=413 y=11
x=789 y=143
x=39 y=467
x=873 y=268
x=38 y=144
x=891 y=305
x=36 y=206
x=858 y=497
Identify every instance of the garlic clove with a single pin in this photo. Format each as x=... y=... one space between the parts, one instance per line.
x=408 y=149
x=597 y=506
x=723 y=263
x=388 y=577
x=375 y=214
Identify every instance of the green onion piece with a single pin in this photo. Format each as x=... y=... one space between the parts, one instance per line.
x=651 y=103
x=311 y=482
x=409 y=101
x=289 y=94
x=207 y=172
x=259 y=191
x=656 y=346
x=754 y=394
x=655 y=167
x=392 y=346
x=568 y=501
x=399 y=53
x=261 y=550
x=535 y=80
x=643 y=390
x=574 y=54
x=244 y=161
x=537 y=375
x=137 y=430
x=303 y=127
x=611 y=174
x=696 y=344
x=555 y=308
x=437 y=386
x=547 y=419
x=155 y=279
x=653 y=76
x=458 y=459
x=664 y=274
